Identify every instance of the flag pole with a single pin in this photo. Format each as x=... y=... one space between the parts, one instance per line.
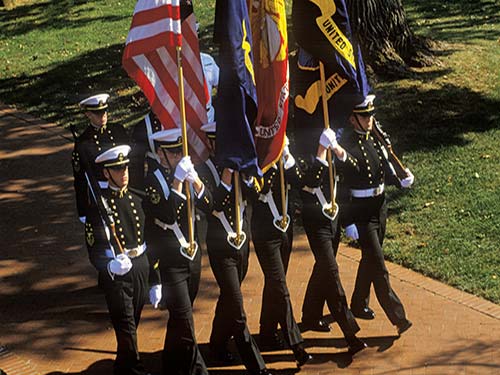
x=237 y=207
x=284 y=217
x=334 y=208
x=185 y=152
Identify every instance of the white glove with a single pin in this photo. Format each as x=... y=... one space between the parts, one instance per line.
x=328 y=139
x=183 y=168
x=120 y=265
x=155 y=295
x=407 y=181
x=351 y=231
x=286 y=141
x=289 y=160
x=192 y=175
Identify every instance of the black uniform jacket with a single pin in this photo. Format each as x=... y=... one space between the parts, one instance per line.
x=87 y=146
x=223 y=200
x=366 y=166
x=164 y=205
x=127 y=213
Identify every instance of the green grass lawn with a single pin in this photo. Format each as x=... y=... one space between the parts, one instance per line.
x=444 y=120
x=447 y=123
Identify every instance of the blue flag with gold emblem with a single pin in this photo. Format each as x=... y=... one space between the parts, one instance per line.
x=236 y=105
x=323 y=32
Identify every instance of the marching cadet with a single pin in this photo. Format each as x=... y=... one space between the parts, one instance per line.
x=211 y=73
x=366 y=169
x=143 y=156
x=97 y=137
x=123 y=273
x=272 y=235
x=167 y=234
x=321 y=230
x=228 y=254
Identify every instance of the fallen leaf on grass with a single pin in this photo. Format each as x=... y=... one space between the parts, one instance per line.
x=409 y=232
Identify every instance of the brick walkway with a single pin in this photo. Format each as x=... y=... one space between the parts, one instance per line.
x=54 y=321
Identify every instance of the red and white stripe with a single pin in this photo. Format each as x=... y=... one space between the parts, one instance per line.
x=150 y=58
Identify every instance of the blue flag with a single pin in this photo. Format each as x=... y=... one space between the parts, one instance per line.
x=323 y=32
x=236 y=105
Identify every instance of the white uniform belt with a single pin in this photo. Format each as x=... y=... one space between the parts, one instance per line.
x=367 y=193
x=136 y=251
x=269 y=200
x=174 y=228
x=319 y=194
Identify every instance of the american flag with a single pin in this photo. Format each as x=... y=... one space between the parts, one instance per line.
x=150 y=59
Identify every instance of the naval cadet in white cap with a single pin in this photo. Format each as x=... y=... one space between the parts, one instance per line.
x=123 y=268
x=366 y=169
x=167 y=224
x=97 y=137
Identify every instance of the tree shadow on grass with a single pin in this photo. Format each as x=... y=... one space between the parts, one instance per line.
x=431 y=119
x=466 y=16
x=62 y=87
x=62 y=14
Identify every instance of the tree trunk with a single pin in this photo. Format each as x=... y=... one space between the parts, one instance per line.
x=389 y=45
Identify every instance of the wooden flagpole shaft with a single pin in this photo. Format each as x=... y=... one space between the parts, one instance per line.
x=237 y=207
x=185 y=150
x=326 y=119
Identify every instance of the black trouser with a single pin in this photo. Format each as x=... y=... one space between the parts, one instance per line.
x=370 y=219
x=180 y=280
x=273 y=256
x=125 y=297
x=324 y=283
x=230 y=267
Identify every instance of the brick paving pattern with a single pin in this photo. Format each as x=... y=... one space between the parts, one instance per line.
x=54 y=321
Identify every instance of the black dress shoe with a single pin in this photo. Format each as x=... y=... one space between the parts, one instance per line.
x=272 y=341
x=364 y=313
x=355 y=345
x=404 y=326
x=301 y=356
x=315 y=325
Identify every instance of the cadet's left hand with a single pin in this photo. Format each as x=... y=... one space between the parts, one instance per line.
x=155 y=295
x=288 y=159
x=407 y=181
x=328 y=139
x=351 y=231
